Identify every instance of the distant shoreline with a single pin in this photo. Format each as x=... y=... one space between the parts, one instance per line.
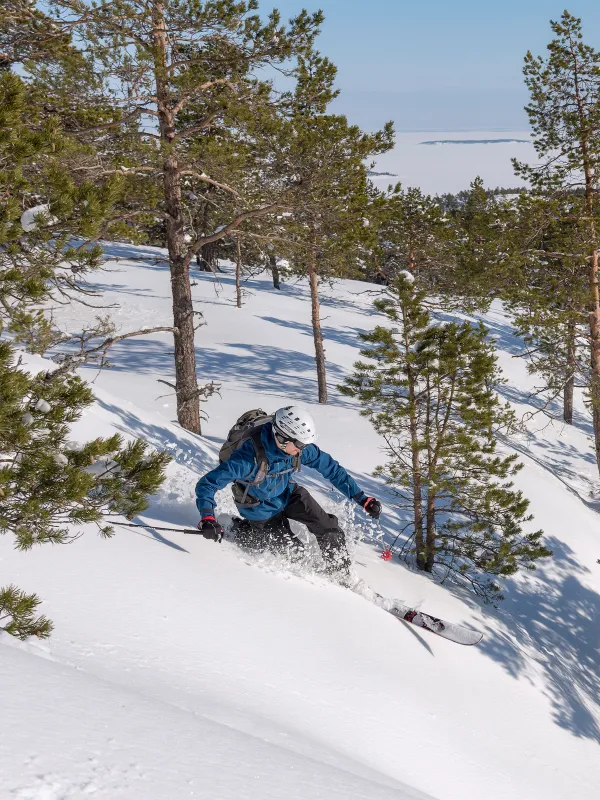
x=476 y=141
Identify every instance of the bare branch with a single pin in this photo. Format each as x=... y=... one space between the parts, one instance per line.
x=203 y=392
x=206 y=123
x=71 y=362
x=214 y=237
x=205 y=178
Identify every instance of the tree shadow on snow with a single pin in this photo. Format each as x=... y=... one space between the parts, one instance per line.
x=546 y=631
x=120 y=288
x=269 y=370
x=563 y=460
x=554 y=410
x=153 y=258
x=187 y=449
x=259 y=368
x=504 y=337
x=551 y=618
x=345 y=335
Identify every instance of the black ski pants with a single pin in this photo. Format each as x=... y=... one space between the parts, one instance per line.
x=275 y=533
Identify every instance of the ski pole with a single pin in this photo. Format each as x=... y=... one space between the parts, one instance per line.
x=156 y=528
x=387 y=553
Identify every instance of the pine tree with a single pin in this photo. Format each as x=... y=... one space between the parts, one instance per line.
x=564 y=114
x=411 y=235
x=429 y=390
x=177 y=75
x=478 y=261
x=455 y=250
x=548 y=294
x=43 y=212
x=328 y=225
x=276 y=270
x=48 y=486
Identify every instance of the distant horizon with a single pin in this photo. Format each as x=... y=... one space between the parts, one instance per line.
x=470 y=129
x=508 y=140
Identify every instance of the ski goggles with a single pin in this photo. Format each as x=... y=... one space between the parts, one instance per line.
x=283 y=440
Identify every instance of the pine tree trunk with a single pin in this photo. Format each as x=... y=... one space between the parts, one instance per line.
x=430 y=541
x=416 y=464
x=595 y=359
x=417 y=491
x=316 y=325
x=205 y=259
x=238 y=272
x=186 y=383
x=274 y=271
x=594 y=317
x=569 y=388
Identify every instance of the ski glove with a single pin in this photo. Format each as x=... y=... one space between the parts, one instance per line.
x=210 y=529
x=372 y=506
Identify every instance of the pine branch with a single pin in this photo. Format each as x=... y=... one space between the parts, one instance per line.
x=121 y=218
x=116 y=124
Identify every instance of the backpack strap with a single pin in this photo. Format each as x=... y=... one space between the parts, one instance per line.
x=261 y=457
x=261 y=473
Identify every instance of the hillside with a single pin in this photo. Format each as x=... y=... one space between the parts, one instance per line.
x=182 y=668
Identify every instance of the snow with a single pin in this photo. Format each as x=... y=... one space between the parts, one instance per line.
x=101 y=466
x=43 y=406
x=180 y=667
x=450 y=167
x=119 y=751
x=28 y=217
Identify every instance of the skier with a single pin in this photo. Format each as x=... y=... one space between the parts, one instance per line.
x=267 y=498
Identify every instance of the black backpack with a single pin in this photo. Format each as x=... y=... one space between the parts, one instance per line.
x=249 y=426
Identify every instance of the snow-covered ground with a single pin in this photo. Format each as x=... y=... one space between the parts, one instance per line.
x=451 y=167
x=182 y=668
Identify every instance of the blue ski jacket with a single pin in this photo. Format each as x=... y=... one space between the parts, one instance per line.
x=275 y=491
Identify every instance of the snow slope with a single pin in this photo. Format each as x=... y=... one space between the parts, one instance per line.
x=183 y=668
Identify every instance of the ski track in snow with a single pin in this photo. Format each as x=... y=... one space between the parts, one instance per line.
x=181 y=668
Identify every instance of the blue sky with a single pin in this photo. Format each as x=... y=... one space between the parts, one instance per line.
x=437 y=64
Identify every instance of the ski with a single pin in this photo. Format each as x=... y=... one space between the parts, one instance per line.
x=447 y=630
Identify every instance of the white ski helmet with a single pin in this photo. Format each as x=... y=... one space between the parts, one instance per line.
x=294 y=423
